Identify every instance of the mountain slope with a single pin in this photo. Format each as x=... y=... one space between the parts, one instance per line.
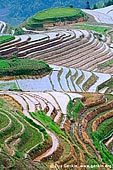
x=102 y=15
x=14 y=12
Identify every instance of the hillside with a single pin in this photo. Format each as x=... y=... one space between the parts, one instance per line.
x=102 y=15
x=55 y=16
x=56 y=93
x=82 y=125
x=15 y=12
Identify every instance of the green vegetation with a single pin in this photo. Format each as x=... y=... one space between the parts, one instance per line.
x=18 y=31
x=93 y=78
x=47 y=122
x=104 y=130
x=40 y=128
x=108 y=63
x=102 y=4
x=67 y=76
x=105 y=154
x=59 y=77
x=6 y=38
x=3 y=121
x=93 y=163
x=34 y=138
x=80 y=79
x=73 y=108
x=9 y=162
x=108 y=84
x=100 y=29
x=15 y=128
x=9 y=86
x=31 y=136
x=61 y=13
x=22 y=9
x=15 y=67
x=54 y=15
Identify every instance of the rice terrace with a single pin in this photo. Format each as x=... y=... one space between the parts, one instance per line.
x=56 y=91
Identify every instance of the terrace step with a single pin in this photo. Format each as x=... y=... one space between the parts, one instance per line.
x=69 y=48
x=54 y=103
x=19 y=41
x=65 y=42
x=77 y=60
x=69 y=81
x=77 y=79
x=73 y=56
x=50 y=43
x=2 y=27
x=67 y=154
x=9 y=122
x=16 y=40
x=65 y=46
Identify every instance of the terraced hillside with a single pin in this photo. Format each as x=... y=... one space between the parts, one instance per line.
x=71 y=48
x=102 y=15
x=63 y=119
x=81 y=127
x=55 y=16
x=18 y=11
x=59 y=79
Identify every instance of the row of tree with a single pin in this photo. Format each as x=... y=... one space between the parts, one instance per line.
x=99 y=4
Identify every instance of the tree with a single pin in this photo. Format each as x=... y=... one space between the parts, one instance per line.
x=95 y=6
x=108 y=3
x=88 y=5
x=71 y=6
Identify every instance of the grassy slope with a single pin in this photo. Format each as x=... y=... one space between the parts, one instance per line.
x=56 y=13
x=99 y=29
x=23 y=67
x=29 y=138
x=47 y=122
x=6 y=38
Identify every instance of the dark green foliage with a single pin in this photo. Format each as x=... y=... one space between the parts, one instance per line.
x=71 y=6
x=106 y=156
x=88 y=5
x=8 y=162
x=92 y=162
x=95 y=6
x=18 y=31
x=47 y=122
x=73 y=108
x=102 y=4
x=41 y=129
x=108 y=83
x=6 y=38
x=108 y=3
x=104 y=131
x=15 y=67
x=18 y=154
